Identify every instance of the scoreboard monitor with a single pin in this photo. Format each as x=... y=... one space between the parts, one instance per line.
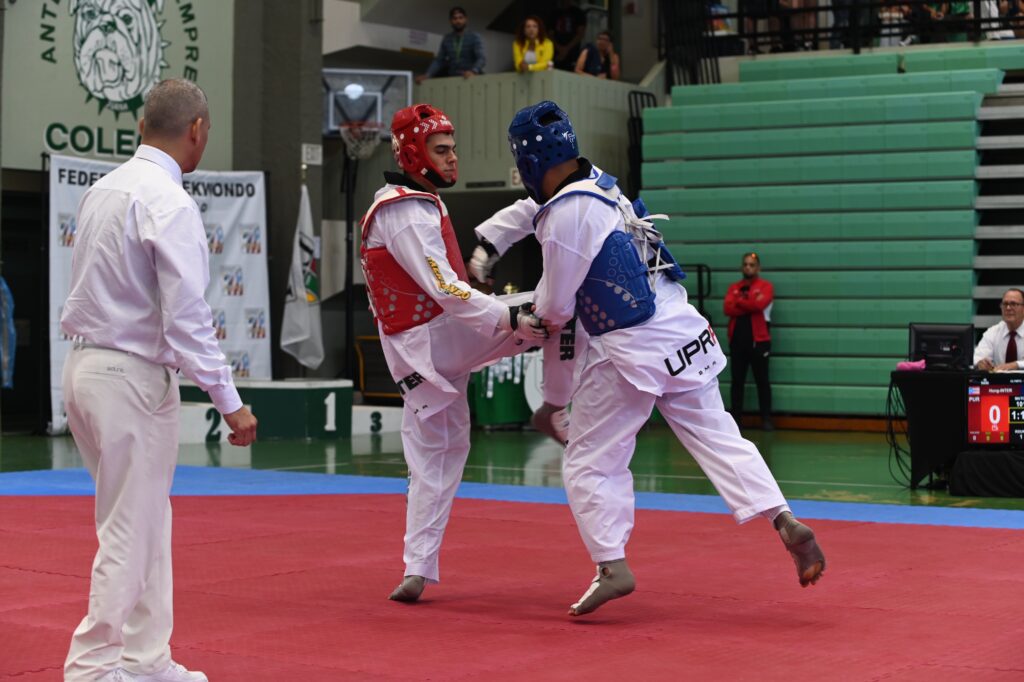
x=995 y=410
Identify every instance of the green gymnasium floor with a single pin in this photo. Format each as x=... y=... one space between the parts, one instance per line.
x=813 y=465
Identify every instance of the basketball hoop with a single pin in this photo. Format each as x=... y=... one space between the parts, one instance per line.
x=361 y=138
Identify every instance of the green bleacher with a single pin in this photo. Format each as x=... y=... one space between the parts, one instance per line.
x=941 y=165
x=814 y=112
x=804 y=342
x=983 y=81
x=821 y=67
x=1005 y=57
x=853 y=179
x=916 y=60
x=848 y=139
x=894 y=196
x=852 y=226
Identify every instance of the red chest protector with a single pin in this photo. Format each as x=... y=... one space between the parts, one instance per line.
x=396 y=300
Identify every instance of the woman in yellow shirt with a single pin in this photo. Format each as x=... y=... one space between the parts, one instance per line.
x=532 y=50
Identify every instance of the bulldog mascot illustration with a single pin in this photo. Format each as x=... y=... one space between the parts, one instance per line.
x=118 y=50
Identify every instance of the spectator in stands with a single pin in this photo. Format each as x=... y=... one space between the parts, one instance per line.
x=599 y=59
x=782 y=22
x=940 y=22
x=840 y=23
x=958 y=14
x=748 y=304
x=890 y=17
x=532 y=50
x=1013 y=11
x=461 y=52
x=993 y=23
x=568 y=25
x=754 y=11
x=805 y=21
x=929 y=22
x=852 y=24
x=925 y=25
x=1002 y=347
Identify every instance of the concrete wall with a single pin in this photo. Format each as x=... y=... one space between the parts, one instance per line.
x=638 y=46
x=344 y=27
x=277 y=108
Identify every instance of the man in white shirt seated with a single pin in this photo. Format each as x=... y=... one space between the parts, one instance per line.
x=1001 y=348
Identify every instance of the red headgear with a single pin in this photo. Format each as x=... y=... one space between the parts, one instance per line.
x=410 y=129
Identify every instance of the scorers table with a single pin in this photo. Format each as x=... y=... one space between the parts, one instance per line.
x=995 y=410
x=949 y=411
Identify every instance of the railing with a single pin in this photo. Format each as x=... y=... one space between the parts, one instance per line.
x=702 y=273
x=638 y=101
x=852 y=24
x=690 y=57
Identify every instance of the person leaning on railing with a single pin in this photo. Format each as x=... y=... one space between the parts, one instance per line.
x=599 y=59
x=461 y=52
x=532 y=50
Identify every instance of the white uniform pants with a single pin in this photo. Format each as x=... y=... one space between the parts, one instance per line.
x=607 y=413
x=123 y=413
x=436 y=447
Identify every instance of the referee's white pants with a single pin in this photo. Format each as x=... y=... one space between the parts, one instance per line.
x=123 y=413
x=607 y=413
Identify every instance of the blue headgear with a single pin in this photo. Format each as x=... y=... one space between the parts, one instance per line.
x=541 y=137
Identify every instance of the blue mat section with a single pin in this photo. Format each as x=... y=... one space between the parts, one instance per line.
x=191 y=480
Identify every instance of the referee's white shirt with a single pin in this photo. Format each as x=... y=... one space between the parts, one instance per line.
x=994 y=343
x=140 y=268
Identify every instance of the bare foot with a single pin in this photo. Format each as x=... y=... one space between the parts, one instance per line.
x=409 y=590
x=799 y=540
x=553 y=421
x=613 y=580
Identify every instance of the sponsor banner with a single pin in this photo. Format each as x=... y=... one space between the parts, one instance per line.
x=76 y=72
x=233 y=207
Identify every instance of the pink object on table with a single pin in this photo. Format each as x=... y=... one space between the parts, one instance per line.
x=907 y=366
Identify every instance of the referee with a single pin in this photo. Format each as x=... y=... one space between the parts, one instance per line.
x=136 y=310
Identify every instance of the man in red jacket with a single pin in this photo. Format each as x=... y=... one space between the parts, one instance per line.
x=748 y=303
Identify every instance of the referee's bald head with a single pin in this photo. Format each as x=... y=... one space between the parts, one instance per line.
x=172 y=106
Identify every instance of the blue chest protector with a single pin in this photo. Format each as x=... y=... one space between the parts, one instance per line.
x=617 y=291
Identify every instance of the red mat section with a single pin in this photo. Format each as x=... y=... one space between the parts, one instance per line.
x=293 y=588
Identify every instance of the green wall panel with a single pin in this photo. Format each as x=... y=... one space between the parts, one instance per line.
x=835 y=341
x=1008 y=58
x=748 y=229
x=929 y=283
x=813 y=112
x=945 y=165
x=864 y=312
x=861 y=400
x=770 y=69
x=946 y=253
x=813 y=198
x=984 y=81
x=823 y=371
x=858 y=193
x=891 y=137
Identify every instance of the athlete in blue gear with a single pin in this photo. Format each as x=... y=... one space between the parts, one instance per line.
x=647 y=347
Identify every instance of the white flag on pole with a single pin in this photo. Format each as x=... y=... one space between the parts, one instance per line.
x=301 y=335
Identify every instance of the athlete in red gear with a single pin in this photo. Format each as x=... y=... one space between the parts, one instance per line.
x=435 y=329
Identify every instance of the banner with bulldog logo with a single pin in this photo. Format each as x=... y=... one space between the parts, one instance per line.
x=233 y=206
x=75 y=73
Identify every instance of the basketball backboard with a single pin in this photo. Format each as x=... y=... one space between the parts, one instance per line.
x=364 y=96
